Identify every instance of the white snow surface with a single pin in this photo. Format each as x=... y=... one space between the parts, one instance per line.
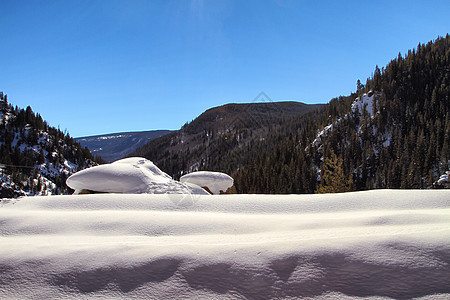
x=383 y=244
x=215 y=181
x=366 y=102
x=444 y=178
x=134 y=175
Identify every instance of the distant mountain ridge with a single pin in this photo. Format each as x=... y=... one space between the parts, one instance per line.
x=248 y=115
x=219 y=131
x=115 y=146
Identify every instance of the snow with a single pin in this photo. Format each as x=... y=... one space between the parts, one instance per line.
x=214 y=181
x=48 y=171
x=366 y=102
x=374 y=244
x=324 y=133
x=108 y=137
x=444 y=178
x=133 y=175
x=6 y=183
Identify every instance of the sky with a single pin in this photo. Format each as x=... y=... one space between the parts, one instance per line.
x=96 y=67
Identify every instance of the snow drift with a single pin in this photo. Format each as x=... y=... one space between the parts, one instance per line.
x=384 y=243
x=134 y=175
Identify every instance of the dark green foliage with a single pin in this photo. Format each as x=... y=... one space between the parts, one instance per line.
x=222 y=138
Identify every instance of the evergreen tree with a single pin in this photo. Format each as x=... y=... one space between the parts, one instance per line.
x=332 y=176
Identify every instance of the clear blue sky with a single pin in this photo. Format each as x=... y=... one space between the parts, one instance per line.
x=95 y=67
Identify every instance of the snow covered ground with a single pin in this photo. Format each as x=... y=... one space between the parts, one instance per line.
x=374 y=244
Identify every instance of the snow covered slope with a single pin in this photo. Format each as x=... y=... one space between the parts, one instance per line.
x=383 y=243
x=35 y=158
x=361 y=105
x=364 y=103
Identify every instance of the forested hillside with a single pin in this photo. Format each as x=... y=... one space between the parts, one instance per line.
x=392 y=133
x=220 y=137
x=35 y=158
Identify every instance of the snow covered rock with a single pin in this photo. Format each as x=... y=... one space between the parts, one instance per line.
x=443 y=181
x=216 y=182
x=133 y=175
x=366 y=102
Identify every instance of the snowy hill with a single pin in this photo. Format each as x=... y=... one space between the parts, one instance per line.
x=35 y=158
x=384 y=244
x=115 y=146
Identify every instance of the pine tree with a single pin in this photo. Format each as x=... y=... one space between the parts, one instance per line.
x=332 y=176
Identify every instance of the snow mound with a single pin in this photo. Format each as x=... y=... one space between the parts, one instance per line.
x=383 y=244
x=133 y=175
x=366 y=102
x=214 y=181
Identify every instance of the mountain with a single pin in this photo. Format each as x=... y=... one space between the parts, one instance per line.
x=393 y=132
x=35 y=158
x=114 y=146
x=219 y=131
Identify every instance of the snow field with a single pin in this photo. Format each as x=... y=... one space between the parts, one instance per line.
x=384 y=243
